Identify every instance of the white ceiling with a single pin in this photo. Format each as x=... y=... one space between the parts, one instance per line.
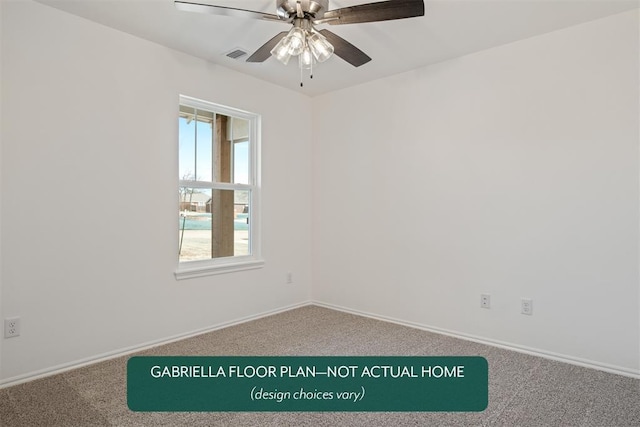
x=449 y=29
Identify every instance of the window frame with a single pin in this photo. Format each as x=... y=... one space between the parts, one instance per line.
x=206 y=267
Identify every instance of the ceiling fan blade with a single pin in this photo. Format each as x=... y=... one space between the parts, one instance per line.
x=224 y=11
x=264 y=52
x=374 y=12
x=346 y=50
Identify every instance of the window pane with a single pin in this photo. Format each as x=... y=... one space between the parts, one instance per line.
x=213 y=147
x=241 y=223
x=240 y=137
x=194 y=226
x=204 y=142
x=241 y=162
x=213 y=224
x=222 y=147
x=195 y=131
x=187 y=143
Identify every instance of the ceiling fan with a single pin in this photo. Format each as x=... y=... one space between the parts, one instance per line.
x=303 y=40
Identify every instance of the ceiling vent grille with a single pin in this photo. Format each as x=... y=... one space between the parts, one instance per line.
x=236 y=53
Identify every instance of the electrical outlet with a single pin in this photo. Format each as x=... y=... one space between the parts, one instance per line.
x=11 y=327
x=527 y=306
x=289 y=278
x=485 y=301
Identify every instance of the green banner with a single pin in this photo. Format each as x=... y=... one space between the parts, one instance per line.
x=304 y=383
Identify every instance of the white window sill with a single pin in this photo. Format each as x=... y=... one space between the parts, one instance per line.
x=208 y=268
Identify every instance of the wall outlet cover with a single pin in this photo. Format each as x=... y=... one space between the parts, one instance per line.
x=11 y=327
x=485 y=301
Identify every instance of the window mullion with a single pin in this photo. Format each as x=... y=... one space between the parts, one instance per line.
x=195 y=143
x=216 y=185
x=196 y=184
x=232 y=153
x=214 y=141
x=230 y=186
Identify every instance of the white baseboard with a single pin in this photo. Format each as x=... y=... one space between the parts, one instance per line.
x=134 y=349
x=495 y=343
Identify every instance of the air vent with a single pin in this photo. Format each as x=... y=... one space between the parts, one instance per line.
x=236 y=53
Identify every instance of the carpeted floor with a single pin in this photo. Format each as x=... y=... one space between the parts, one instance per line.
x=523 y=390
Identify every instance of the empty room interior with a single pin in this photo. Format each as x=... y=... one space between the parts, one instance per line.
x=472 y=190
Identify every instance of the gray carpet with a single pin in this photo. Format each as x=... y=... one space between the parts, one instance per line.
x=523 y=390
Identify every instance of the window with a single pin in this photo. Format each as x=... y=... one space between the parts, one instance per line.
x=218 y=177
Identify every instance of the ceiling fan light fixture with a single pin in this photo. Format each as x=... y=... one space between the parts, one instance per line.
x=305 y=60
x=281 y=51
x=297 y=38
x=320 y=47
x=304 y=42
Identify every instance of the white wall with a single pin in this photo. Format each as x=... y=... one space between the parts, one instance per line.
x=513 y=172
x=1 y=97
x=89 y=187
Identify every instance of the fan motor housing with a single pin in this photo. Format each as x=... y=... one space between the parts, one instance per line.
x=316 y=8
